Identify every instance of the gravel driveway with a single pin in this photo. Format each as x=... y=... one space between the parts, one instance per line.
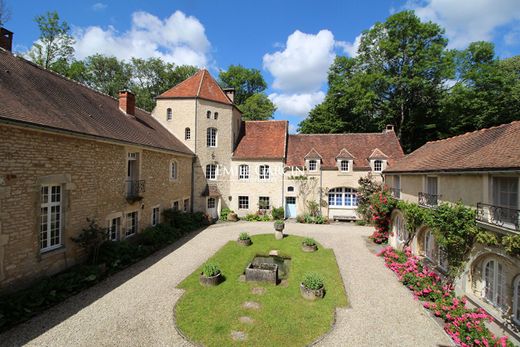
x=135 y=306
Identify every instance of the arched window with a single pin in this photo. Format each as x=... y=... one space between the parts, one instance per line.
x=215 y=115
x=173 y=170
x=243 y=172
x=494 y=283
x=169 y=114
x=343 y=197
x=516 y=300
x=400 y=229
x=264 y=172
x=211 y=137
x=208 y=114
x=187 y=133
x=211 y=171
x=429 y=245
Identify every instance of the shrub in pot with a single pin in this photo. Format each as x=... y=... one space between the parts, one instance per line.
x=309 y=245
x=244 y=239
x=210 y=275
x=312 y=286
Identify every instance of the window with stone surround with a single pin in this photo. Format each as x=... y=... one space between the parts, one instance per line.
x=494 y=283
x=187 y=133
x=312 y=165
x=156 y=215
x=378 y=165
x=175 y=206
x=131 y=223
x=211 y=172
x=169 y=114
x=173 y=170
x=243 y=172
x=114 y=229
x=186 y=205
x=211 y=137
x=50 y=217
x=264 y=172
x=243 y=202
x=343 y=166
x=263 y=203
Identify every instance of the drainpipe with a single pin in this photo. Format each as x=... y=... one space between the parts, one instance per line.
x=283 y=190
x=321 y=189
x=194 y=161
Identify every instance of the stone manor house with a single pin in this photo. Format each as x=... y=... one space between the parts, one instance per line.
x=70 y=153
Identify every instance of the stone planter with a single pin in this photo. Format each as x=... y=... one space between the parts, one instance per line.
x=278 y=235
x=279 y=226
x=262 y=272
x=308 y=248
x=210 y=281
x=232 y=217
x=311 y=294
x=246 y=242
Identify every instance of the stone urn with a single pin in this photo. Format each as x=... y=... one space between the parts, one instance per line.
x=309 y=248
x=311 y=294
x=210 y=281
x=232 y=217
x=246 y=242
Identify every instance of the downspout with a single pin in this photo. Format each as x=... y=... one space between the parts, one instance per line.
x=321 y=189
x=194 y=160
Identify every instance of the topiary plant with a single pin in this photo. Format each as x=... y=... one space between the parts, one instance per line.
x=244 y=236
x=210 y=269
x=309 y=241
x=313 y=281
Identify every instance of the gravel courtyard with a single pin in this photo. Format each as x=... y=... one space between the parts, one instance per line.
x=135 y=306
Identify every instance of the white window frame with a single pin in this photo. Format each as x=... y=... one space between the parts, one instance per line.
x=497 y=284
x=264 y=172
x=47 y=218
x=347 y=197
x=129 y=219
x=169 y=114
x=243 y=172
x=187 y=133
x=381 y=166
x=243 y=202
x=213 y=203
x=211 y=137
x=116 y=232
x=156 y=215
x=174 y=170
x=516 y=300
x=341 y=168
x=211 y=172
x=312 y=165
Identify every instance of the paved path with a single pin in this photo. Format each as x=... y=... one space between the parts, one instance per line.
x=135 y=306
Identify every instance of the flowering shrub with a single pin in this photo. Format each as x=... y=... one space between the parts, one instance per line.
x=381 y=205
x=465 y=326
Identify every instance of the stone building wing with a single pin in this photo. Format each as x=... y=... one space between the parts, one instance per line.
x=35 y=97
x=496 y=148
x=262 y=140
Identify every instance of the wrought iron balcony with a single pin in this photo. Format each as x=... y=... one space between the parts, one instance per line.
x=428 y=200
x=134 y=190
x=396 y=192
x=500 y=216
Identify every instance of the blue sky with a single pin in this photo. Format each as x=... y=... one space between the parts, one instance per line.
x=291 y=42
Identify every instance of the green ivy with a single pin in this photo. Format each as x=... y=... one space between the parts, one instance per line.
x=414 y=215
x=512 y=244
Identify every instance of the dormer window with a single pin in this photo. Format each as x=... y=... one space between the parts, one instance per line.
x=344 y=166
x=169 y=114
x=312 y=165
x=378 y=165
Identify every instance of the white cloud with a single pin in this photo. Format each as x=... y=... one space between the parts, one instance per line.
x=303 y=65
x=99 y=6
x=297 y=104
x=351 y=49
x=179 y=38
x=466 y=21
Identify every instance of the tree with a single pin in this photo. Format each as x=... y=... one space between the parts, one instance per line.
x=55 y=42
x=257 y=107
x=5 y=13
x=245 y=81
x=397 y=78
x=107 y=74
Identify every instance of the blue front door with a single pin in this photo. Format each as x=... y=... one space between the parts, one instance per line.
x=290 y=207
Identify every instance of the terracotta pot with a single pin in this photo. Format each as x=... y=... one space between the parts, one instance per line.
x=311 y=294
x=309 y=249
x=247 y=242
x=210 y=281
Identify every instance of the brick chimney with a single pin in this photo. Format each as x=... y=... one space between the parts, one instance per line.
x=230 y=93
x=389 y=128
x=127 y=102
x=6 y=39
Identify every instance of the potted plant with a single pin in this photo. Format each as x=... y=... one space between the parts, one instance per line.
x=312 y=286
x=309 y=245
x=244 y=239
x=210 y=275
x=279 y=225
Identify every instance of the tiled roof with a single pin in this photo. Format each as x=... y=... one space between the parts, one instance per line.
x=37 y=97
x=313 y=154
x=344 y=154
x=201 y=85
x=377 y=154
x=359 y=145
x=486 y=149
x=262 y=140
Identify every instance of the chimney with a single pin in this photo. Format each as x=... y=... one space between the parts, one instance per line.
x=389 y=128
x=230 y=93
x=127 y=102
x=6 y=39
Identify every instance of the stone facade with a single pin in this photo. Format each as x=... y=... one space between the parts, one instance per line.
x=92 y=177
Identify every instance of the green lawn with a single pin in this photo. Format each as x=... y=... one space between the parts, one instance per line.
x=208 y=315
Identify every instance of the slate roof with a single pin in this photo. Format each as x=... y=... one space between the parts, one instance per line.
x=262 y=140
x=37 y=97
x=201 y=85
x=496 y=148
x=331 y=146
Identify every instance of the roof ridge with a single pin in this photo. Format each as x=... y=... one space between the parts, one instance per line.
x=200 y=83
x=474 y=132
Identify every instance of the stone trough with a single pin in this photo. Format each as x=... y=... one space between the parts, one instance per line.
x=262 y=272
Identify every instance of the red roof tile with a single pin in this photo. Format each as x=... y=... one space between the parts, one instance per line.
x=331 y=146
x=262 y=140
x=377 y=154
x=201 y=85
x=486 y=149
x=344 y=154
x=34 y=96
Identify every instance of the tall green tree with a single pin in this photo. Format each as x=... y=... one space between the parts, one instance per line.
x=397 y=78
x=245 y=81
x=257 y=107
x=107 y=74
x=55 y=42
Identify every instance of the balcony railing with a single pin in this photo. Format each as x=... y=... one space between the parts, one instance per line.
x=500 y=216
x=396 y=192
x=134 y=190
x=428 y=200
